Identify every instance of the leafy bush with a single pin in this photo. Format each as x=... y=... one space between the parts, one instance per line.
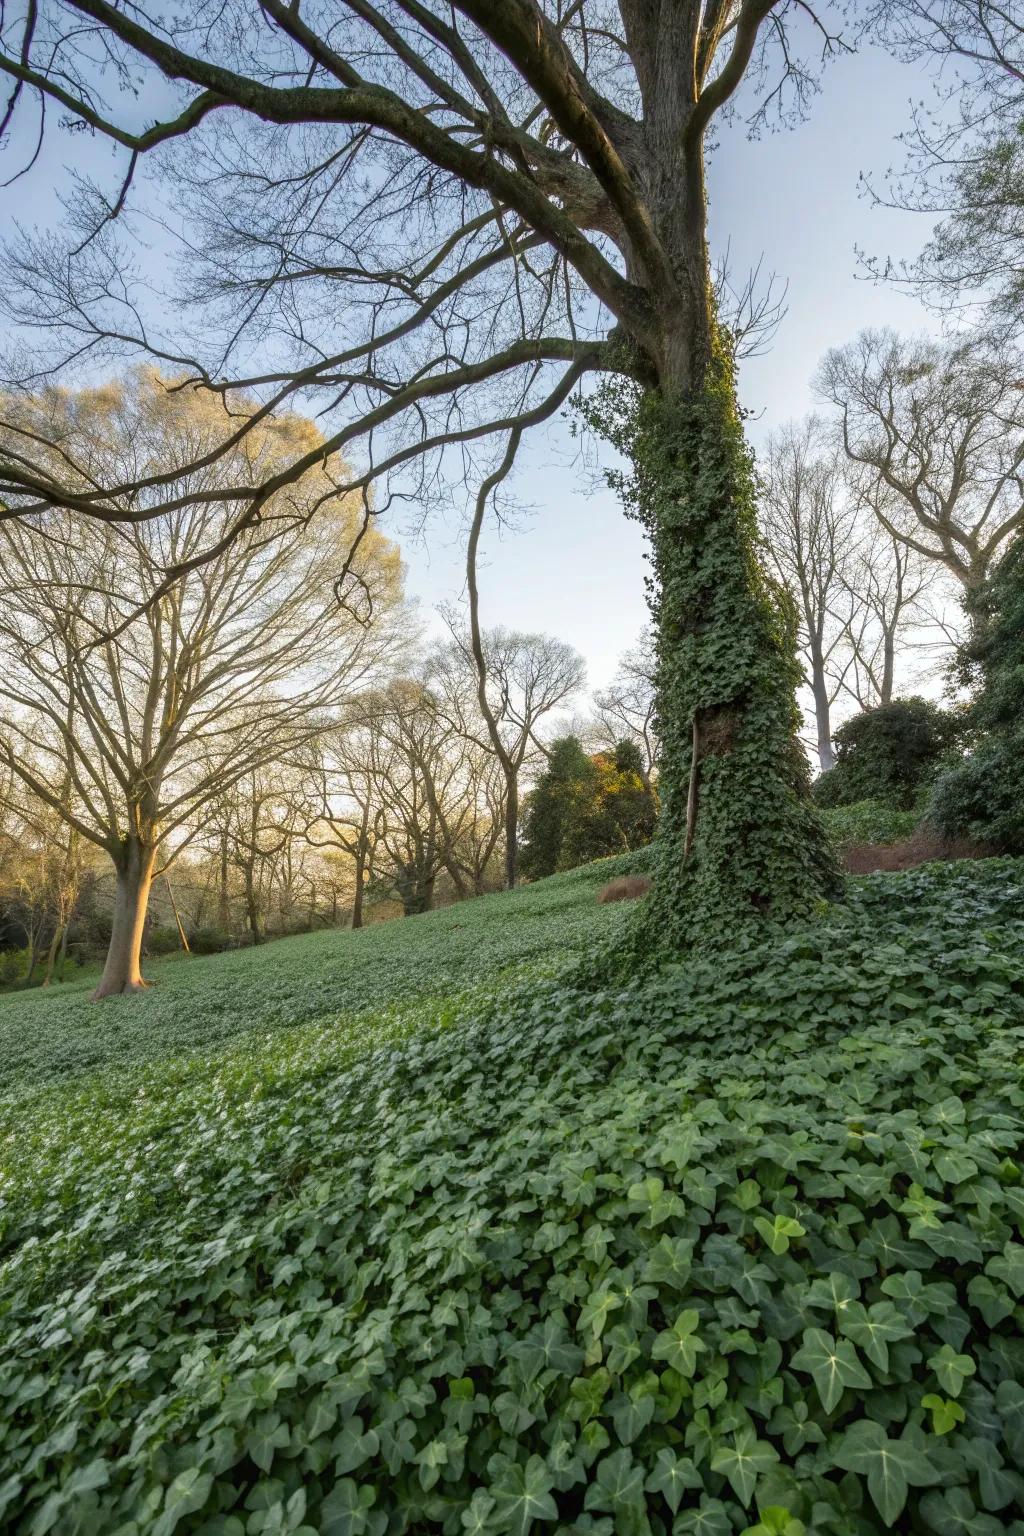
x=208 y=941
x=982 y=796
x=744 y=1237
x=13 y=965
x=868 y=821
x=161 y=940
x=586 y=807
x=888 y=754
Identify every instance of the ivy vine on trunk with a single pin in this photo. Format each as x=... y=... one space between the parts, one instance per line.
x=739 y=838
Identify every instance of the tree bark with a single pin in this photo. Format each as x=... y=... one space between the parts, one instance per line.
x=357 y=899
x=822 y=715
x=511 y=830
x=224 y=909
x=252 y=908
x=63 y=955
x=51 y=954
x=123 y=969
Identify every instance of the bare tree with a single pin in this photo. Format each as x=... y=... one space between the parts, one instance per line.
x=497 y=686
x=886 y=584
x=855 y=587
x=436 y=219
x=350 y=816
x=809 y=532
x=627 y=708
x=936 y=433
x=152 y=706
x=263 y=816
x=417 y=789
x=965 y=158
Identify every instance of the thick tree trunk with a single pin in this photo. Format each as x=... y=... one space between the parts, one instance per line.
x=123 y=969
x=739 y=838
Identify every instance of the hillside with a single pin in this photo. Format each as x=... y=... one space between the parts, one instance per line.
x=400 y=1229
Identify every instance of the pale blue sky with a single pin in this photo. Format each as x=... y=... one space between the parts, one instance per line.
x=571 y=563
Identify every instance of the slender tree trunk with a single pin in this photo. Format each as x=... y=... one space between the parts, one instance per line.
x=362 y=849
x=182 y=936
x=33 y=957
x=888 y=667
x=511 y=829
x=508 y=767
x=357 y=898
x=224 y=910
x=252 y=908
x=51 y=953
x=123 y=969
x=63 y=956
x=822 y=714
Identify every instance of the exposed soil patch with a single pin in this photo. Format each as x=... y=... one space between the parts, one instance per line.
x=922 y=847
x=625 y=888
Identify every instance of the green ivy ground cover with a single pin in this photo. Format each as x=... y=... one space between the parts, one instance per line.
x=737 y=1247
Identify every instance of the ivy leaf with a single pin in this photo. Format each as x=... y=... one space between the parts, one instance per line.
x=890 y=1466
x=621 y=1348
x=952 y=1513
x=946 y=1414
x=475 y=1518
x=188 y=1492
x=1009 y=1266
x=547 y=1347
x=351 y=1447
x=779 y=1232
x=678 y=1346
x=952 y=1369
x=522 y=1494
x=656 y=1203
x=618 y=1487
x=672 y=1476
x=631 y=1414
x=833 y=1365
x=596 y=1310
x=710 y=1519
x=346 y=1509
x=776 y=1521
x=744 y=1461
x=669 y=1262
x=874 y=1328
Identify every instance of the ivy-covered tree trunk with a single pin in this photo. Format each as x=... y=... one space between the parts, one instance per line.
x=739 y=838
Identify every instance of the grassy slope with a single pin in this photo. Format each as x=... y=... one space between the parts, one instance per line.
x=343 y=981
x=199 y=1182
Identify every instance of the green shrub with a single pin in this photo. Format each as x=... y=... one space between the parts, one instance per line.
x=586 y=807
x=890 y=753
x=868 y=821
x=982 y=796
x=13 y=965
x=162 y=940
x=744 y=1237
x=209 y=941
